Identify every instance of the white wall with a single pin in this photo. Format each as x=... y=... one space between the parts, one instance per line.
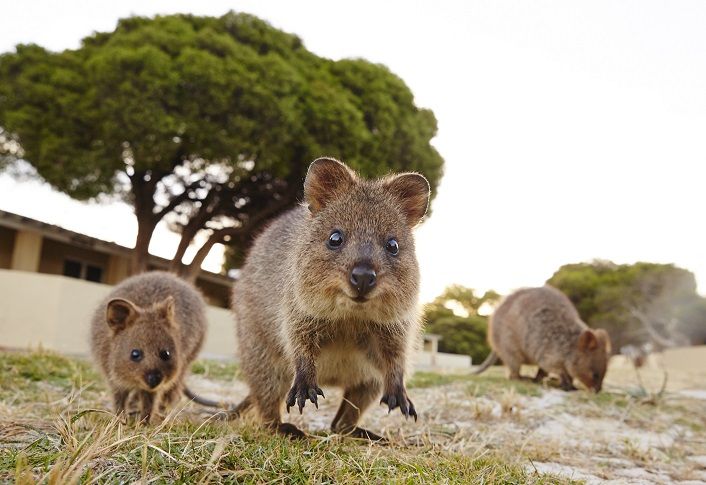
x=55 y=312
x=440 y=360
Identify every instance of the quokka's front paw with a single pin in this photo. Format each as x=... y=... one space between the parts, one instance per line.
x=301 y=391
x=397 y=397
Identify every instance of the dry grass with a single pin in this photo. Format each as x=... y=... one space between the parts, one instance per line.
x=55 y=427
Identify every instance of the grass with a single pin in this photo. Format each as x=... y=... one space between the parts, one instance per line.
x=55 y=428
x=217 y=370
x=185 y=454
x=24 y=371
x=491 y=383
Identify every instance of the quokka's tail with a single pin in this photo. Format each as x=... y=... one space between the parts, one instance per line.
x=490 y=360
x=233 y=410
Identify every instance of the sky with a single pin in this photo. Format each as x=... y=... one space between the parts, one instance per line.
x=571 y=131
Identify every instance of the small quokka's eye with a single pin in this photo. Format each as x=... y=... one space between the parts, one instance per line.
x=335 y=240
x=165 y=354
x=596 y=376
x=136 y=355
x=392 y=247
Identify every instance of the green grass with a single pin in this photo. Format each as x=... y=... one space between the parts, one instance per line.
x=28 y=372
x=432 y=379
x=217 y=370
x=54 y=428
x=491 y=383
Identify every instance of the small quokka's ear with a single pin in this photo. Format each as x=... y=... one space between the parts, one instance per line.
x=326 y=179
x=166 y=309
x=587 y=340
x=120 y=314
x=413 y=192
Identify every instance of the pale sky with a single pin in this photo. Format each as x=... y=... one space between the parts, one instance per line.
x=571 y=130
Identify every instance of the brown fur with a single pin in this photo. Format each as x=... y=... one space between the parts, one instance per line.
x=151 y=312
x=541 y=326
x=298 y=324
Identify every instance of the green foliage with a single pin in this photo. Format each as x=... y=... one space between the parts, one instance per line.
x=610 y=296
x=203 y=105
x=461 y=334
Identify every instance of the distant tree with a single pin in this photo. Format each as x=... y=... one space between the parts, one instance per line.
x=454 y=315
x=206 y=123
x=636 y=303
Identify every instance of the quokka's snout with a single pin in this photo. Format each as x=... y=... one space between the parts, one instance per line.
x=363 y=278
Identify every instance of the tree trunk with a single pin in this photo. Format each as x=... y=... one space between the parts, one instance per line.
x=191 y=272
x=140 y=255
x=190 y=230
x=143 y=200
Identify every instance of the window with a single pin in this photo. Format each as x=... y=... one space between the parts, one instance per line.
x=83 y=271
x=72 y=268
x=94 y=273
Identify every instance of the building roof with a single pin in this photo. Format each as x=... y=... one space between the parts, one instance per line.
x=57 y=233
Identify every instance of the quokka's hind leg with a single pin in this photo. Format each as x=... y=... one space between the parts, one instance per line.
x=541 y=374
x=355 y=402
x=269 y=400
x=567 y=383
x=514 y=364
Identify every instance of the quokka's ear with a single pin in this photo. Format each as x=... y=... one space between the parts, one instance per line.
x=604 y=339
x=588 y=340
x=413 y=192
x=326 y=179
x=166 y=309
x=121 y=313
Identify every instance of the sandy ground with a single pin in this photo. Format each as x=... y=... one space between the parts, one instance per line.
x=626 y=434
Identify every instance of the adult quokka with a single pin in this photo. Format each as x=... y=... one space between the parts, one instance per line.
x=328 y=296
x=541 y=326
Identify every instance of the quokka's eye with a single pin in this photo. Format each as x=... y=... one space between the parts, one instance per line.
x=165 y=355
x=135 y=355
x=596 y=376
x=335 y=240
x=392 y=247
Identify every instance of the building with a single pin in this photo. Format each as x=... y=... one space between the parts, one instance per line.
x=37 y=247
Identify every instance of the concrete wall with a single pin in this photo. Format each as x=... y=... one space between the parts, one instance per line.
x=55 y=312
x=440 y=360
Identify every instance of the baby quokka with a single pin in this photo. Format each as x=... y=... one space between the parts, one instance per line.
x=328 y=296
x=144 y=336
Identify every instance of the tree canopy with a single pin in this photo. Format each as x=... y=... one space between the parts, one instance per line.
x=207 y=122
x=636 y=303
x=454 y=315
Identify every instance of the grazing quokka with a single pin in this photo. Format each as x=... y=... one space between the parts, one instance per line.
x=144 y=336
x=541 y=326
x=328 y=296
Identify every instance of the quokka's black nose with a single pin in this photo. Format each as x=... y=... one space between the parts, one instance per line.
x=153 y=378
x=363 y=278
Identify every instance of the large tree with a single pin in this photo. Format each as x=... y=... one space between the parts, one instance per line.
x=207 y=123
x=636 y=303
